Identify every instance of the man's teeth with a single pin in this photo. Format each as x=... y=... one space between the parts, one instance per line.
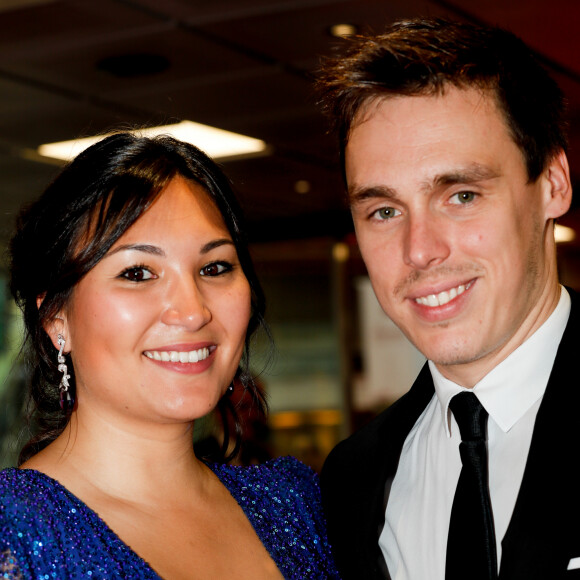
x=441 y=298
x=191 y=356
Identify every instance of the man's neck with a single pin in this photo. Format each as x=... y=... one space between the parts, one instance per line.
x=468 y=374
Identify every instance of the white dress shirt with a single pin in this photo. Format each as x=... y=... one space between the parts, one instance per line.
x=414 y=538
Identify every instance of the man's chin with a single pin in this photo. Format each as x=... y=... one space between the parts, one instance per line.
x=451 y=356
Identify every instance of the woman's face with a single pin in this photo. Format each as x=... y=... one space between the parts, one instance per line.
x=156 y=329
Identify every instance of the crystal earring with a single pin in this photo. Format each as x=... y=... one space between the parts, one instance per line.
x=66 y=400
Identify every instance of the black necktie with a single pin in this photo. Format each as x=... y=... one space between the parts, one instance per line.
x=471 y=549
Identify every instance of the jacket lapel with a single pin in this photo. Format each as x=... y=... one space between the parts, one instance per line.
x=539 y=541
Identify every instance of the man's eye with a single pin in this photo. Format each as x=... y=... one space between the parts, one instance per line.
x=215 y=269
x=138 y=274
x=386 y=213
x=463 y=197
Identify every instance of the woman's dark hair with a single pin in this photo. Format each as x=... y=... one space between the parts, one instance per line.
x=426 y=56
x=72 y=226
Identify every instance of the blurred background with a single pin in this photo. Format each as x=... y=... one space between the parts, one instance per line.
x=72 y=69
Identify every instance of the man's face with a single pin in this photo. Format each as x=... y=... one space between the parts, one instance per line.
x=457 y=243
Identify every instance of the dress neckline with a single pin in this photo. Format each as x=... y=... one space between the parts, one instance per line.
x=84 y=510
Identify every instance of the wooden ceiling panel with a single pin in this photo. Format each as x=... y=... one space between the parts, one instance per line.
x=242 y=65
x=298 y=33
x=187 y=56
x=65 y=26
x=549 y=27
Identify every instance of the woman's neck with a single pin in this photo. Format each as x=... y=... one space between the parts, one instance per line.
x=124 y=461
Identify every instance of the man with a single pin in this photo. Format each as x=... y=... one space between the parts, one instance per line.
x=453 y=152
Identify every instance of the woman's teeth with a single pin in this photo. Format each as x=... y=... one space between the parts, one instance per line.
x=191 y=356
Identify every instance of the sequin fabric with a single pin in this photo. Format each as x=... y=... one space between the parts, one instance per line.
x=47 y=533
x=282 y=501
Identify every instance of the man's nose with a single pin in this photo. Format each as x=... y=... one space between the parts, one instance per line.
x=425 y=243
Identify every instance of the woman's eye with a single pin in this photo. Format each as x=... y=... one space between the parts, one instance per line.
x=138 y=274
x=386 y=213
x=215 y=269
x=463 y=197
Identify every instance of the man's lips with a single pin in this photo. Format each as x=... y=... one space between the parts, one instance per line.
x=442 y=298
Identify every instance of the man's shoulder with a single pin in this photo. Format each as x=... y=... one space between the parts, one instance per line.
x=567 y=351
x=387 y=430
x=364 y=442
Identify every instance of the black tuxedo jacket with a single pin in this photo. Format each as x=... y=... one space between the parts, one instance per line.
x=544 y=531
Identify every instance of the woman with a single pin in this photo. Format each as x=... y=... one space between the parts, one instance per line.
x=139 y=299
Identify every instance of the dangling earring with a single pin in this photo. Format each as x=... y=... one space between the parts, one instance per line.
x=67 y=402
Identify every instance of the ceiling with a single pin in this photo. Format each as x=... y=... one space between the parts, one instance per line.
x=76 y=68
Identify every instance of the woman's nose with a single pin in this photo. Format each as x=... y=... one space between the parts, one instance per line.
x=186 y=306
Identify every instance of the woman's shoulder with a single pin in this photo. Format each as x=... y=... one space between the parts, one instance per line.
x=33 y=505
x=26 y=499
x=22 y=484
x=279 y=465
x=282 y=472
x=40 y=520
x=29 y=499
x=272 y=490
x=30 y=484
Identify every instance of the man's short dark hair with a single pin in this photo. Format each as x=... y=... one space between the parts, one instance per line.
x=425 y=56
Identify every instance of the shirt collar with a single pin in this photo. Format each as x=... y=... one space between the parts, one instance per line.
x=514 y=385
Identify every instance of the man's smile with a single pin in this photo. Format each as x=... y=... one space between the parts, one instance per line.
x=444 y=297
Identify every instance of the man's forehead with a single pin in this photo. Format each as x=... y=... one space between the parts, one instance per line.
x=483 y=97
x=456 y=136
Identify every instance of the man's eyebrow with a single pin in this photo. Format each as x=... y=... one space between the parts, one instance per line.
x=470 y=174
x=358 y=194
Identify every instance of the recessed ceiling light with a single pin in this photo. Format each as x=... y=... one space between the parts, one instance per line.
x=302 y=186
x=342 y=30
x=563 y=234
x=217 y=143
x=340 y=252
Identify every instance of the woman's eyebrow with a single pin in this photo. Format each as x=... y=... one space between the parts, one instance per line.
x=215 y=244
x=157 y=251
x=146 y=248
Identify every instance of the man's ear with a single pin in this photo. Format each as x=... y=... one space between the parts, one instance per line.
x=55 y=326
x=559 y=191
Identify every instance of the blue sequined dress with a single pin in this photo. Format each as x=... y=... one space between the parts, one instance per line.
x=46 y=532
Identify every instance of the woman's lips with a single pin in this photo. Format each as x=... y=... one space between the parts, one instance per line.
x=183 y=356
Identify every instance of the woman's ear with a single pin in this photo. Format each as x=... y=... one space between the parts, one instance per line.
x=55 y=326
